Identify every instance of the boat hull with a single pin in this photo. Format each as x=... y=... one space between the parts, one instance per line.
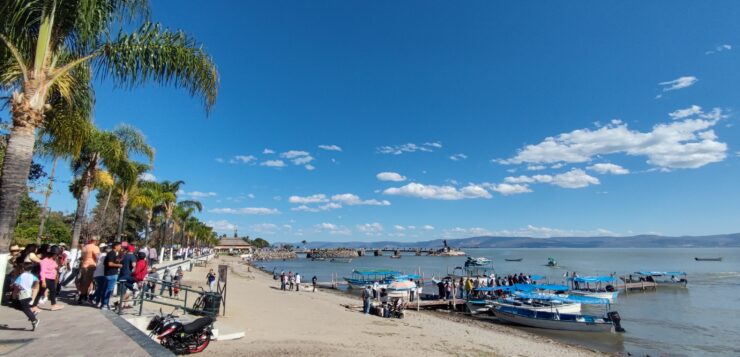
x=574 y=308
x=611 y=296
x=511 y=316
x=478 y=307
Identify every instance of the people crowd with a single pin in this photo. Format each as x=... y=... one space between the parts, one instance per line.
x=37 y=274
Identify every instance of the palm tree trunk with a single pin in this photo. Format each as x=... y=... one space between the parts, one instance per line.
x=107 y=200
x=82 y=204
x=146 y=228
x=45 y=211
x=121 y=212
x=16 y=165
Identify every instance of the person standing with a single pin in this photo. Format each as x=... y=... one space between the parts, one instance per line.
x=211 y=280
x=282 y=280
x=100 y=284
x=48 y=276
x=151 y=284
x=140 y=272
x=89 y=262
x=291 y=281
x=166 y=282
x=314 y=282
x=297 y=281
x=152 y=256
x=112 y=265
x=176 y=281
x=367 y=298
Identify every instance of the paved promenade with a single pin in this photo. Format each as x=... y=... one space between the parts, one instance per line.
x=73 y=331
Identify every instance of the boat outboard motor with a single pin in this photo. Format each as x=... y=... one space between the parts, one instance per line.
x=610 y=288
x=614 y=317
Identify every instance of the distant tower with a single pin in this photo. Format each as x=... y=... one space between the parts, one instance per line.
x=235 y=234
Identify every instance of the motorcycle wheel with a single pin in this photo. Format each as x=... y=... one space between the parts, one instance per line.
x=201 y=342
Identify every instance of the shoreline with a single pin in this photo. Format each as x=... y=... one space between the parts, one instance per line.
x=279 y=322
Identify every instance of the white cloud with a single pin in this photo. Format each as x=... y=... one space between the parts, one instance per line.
x=293 y=154
x=317 y=198
x=536 y=167
x=459 y=232
x=268 y=151
x=330 y=147
x=399 y=227
x=507 y=189
x=607 y=168
x=688 y=143
x=332 y=229
x=529 y=179
x=575 y=178
x=309 y=167
x=246 y=210
x=720 y=48
x=458 y=157
x=685 y=113
x=273 y=163
x=370 y=228
x=678 y=83
x=264 y=228
x=146 y=176
x=438 y=192
x=408 y=147
x=220 y=160
x=222 y=226
x=350 y=199
x=197 y=194
x=390 y=176
x=244 y=158
x=428 y=227
x=321 y=208
x=529 y=231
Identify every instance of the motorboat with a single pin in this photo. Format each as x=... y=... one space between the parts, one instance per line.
x=717 y=259
x=363 y=277
x=477 y=262
x=602 y=287
x=540 y=303
x=663 y=278
x=554 y=320
x=551 y=262
x=340 y=260
x=514 y=260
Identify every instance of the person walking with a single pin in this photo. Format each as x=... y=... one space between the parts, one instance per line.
x=112 y=267
x=166 y=282
x=25 y=283
x=140 y=272
x=100 y=284
x=211 y=280
x=88 y=264
x=367 y=298
x=314 y=282
x=297 y=281
x=151 y=284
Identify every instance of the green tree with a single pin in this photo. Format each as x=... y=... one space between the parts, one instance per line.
x=49 y=50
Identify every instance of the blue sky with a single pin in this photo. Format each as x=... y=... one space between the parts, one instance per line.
x=402 y=88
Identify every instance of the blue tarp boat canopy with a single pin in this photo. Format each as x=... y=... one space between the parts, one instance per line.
x=375 y=272
x=594 y=279
x=537 y=277
x=569 y=298
x=407 y=277
x=496 y=288
x=531 y=287
x=659 y=273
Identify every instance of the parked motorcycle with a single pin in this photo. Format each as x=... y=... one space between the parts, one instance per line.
x=181 y=338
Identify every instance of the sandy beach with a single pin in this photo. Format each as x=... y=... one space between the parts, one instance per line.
x=319 y=324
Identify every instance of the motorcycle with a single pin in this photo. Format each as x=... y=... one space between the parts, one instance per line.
x=181 y=338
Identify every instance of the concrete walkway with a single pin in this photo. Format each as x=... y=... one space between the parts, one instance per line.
x=73 y=331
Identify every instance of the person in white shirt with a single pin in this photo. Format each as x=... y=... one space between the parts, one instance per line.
x=24 y=285
x=297 y=281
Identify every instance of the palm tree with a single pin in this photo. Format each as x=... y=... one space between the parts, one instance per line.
x=184 y=212
x=103 y=148
x=148 y=197
x=127 y=174
x=49 y=50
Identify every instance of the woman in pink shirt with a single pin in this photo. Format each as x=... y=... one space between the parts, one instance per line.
x=48 y=278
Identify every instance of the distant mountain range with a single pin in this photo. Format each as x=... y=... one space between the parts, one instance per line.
x=638 y=241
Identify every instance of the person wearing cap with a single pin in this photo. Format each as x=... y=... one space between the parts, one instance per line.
x=127 y=269
x=89 y=262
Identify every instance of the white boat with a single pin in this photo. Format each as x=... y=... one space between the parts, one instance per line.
x=540 y=305
x=600 y=287
x=478 y=262
x=662 y=278
x=557 y=321
x=479 y=306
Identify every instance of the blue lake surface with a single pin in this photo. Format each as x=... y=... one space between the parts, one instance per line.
x=701 y=320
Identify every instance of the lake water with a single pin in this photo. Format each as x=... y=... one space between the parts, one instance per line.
x=701 y=320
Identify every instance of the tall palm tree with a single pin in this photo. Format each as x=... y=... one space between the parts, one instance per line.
x=148 y=197
x=49 y=50
x=127 y=175
x=183 y=212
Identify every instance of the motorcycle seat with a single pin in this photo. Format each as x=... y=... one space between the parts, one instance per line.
x=197 y=325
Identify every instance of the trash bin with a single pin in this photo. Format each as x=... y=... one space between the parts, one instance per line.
x=213 y=303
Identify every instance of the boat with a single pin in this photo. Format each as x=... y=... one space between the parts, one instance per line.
x=447 y=251
x=341 y=260
x=662 y=278
x=541 y=302
x=551 y=262
x=395 y=256
x=477 y=262
x=319 y=259
x=717 y=259
x=610 y=322
x=602 y=287
x=363 y=277
x=514 y=260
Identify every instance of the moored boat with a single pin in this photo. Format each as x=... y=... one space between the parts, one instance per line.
x=551 y=262
x=610 y=322
x=717 y=259
x=601 y=287
x=514 y=260
x=477 y=262
x=663 y=278
x=364 y=277
x=341 y=260
x=395 y=256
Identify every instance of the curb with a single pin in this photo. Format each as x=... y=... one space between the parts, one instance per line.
x=150 y=346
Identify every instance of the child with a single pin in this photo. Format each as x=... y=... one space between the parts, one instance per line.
x=24 y=285
x=176 y=280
